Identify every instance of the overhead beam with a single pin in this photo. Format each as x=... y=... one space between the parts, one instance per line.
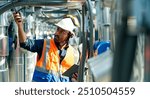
x=56 y=3
x=13 y=4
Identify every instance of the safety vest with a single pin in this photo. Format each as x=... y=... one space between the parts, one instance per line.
x=49 y=61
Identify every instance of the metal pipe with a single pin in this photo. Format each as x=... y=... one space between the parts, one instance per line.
x=99 y=18
x=89 y=6
x=3 y=24
x=106 y=33
x=13 y=4
x=106 y=16
x=3 y=20
x=81 y=67
x=80 y=19
x=125 y=48
x=106 y=24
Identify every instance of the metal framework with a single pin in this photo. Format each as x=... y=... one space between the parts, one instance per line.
x=16 y=3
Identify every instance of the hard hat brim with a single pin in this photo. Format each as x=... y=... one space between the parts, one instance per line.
x=67 y=24
x=65 y=29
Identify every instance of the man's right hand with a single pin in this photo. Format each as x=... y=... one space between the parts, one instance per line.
x=18 y=18
x=19 y=21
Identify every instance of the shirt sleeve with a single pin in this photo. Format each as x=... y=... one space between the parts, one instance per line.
x=33 y=45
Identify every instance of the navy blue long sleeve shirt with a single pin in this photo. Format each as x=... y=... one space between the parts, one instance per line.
x=33 y=45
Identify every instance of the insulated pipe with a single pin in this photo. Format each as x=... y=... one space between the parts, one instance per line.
x=106 y=33
x=4 y=49
x=3 y=24
x=106 y=16
x=106 y=24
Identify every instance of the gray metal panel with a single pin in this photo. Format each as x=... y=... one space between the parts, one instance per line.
x=100 y=66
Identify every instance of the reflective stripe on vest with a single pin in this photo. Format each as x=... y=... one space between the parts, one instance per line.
x=46 y=52
x=42 y=61
x=49 y=61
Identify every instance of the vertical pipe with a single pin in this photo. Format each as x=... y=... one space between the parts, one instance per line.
x=81 y=67
x=4 y=49
x=106 y=33
x=98 y=18
x=89 y=5
x=125 y=46
x=106 y=24
x=116 y=21
x=147 y=40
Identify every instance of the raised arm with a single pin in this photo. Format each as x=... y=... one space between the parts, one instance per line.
x=19 y=22
x=29 y=44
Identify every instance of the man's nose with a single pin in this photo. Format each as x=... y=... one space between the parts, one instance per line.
x=57 y=33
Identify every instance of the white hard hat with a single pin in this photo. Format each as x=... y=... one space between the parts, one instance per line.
x=67 y=24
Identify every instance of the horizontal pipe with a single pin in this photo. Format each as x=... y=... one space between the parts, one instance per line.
x=11 y=5
x=58 y=3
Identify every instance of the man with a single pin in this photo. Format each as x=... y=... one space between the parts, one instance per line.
x=55 y=56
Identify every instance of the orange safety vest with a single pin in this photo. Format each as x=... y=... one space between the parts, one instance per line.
x=50 y=60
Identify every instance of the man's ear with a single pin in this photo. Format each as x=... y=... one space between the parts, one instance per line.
x=70 y=35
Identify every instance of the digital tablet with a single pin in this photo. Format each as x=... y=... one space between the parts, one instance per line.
x=73 y=69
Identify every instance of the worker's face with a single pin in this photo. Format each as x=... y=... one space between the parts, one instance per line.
x=61 y=35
